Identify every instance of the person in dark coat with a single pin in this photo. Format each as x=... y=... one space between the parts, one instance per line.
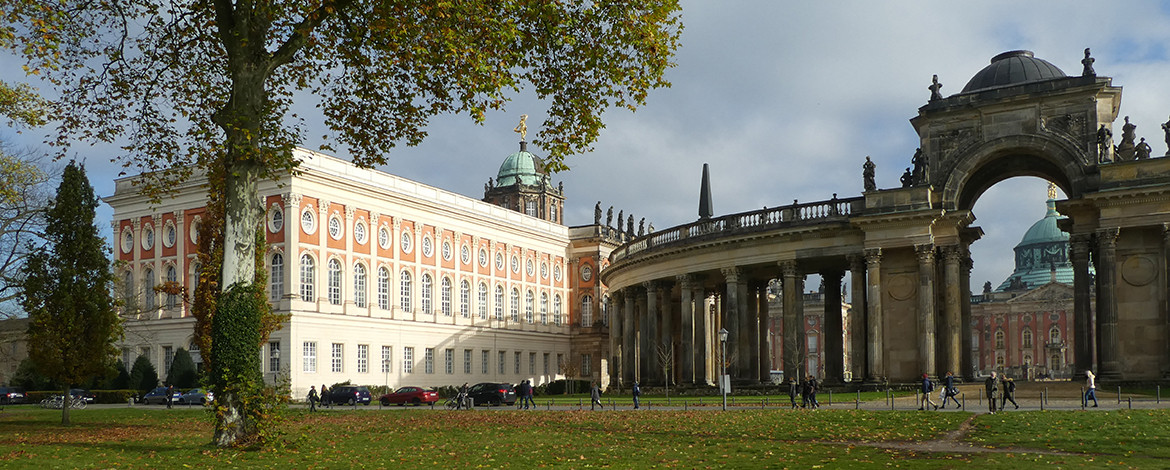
x=805 y=388
x=595 y=397
x=313 y=398
x=324 y=396
x=637 y=392
x=927 y=388
x=1009 y=393
x=949 y=391
x=812 y=392
x=991 y=386
x=170 y=394
x=793 y=391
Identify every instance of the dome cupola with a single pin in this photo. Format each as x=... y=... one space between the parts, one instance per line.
x=1012 y=68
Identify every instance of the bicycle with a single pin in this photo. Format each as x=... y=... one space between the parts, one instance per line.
x=453 y=402
x=56 y=402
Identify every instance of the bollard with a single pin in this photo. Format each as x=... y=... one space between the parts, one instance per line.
x=1118 y=394
x=857 y=401
x=579 y=406
x=130 y=401
x=548 y=405
x=1046 y=395
x=830 y=397
x=981 y=397
x=684 y=405
x=1130 y=402
x=964 y=401
x=1158 y=394
x=1042 y=400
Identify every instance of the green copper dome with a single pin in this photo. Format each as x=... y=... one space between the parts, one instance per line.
x=521 y=167
x=1043 y=250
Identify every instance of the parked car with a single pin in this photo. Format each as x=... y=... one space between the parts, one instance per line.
x=413 y=395
x=491 y=393
x=348 y=395
x=158 y=396
x=196 y=396
x=12 y=396
x=78 y=393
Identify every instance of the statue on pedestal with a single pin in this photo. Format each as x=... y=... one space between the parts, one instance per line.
x=1104 y=144
x=597 y=214
x=934 y=87
x=630 y=226
x=642 y=227
x=1125 y=150
x=1142 y=150
x=1166 y=129
x=867 y=172
x=919 y=163
x=1088 y=63
x=907 y=179
x=609 y=217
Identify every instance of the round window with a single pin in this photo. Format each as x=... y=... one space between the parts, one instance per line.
x=406 y=245
x=195 y=229
x=465 y=254
x=586 y=273
x=127 y=240
x=557 y=272
x=447 y=251
x=544 y=270
x=530 y=268
x=359 y=233
x=335 y=227
x=499 y=261
x=428 y=247
x=147 y=238
x=308 y=221
x=515 y=264
x=483 y=257
x=384 y=238
x=275 y=220
x=169 y=234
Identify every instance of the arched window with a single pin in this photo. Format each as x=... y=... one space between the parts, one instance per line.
x=196 y=271
x=499 y=302
x=445 y=296
x=405 y=291
x=334 y=281
x=1027 y=337
x=359 y=285
x=308 y=272
x=529 y=301
x=1054 y=335
x=276 y=277
x=514 y=308
x=999 y=339
x=544 y=308
x=587 y=310
x=1054 y=361
x=465 y=299
x=999 y=362
x=483 y=300
x=557 y=309
x=148 y=294
x=172 y=281
x=383 y=288
x=428 y=305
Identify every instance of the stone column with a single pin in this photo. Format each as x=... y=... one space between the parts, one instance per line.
x=1080 y=245
x=751 y=328
x=952 y=310
x=686 y=325
x=926 y=324
x=1165 y=372
x=857 y=317
x=746 y=339
x=666 y=331
x=966 y=354
x=834 y=328
x=629 y=337
x=650 y=369
x=764 y=362
x=876 y=371
x=1107 y=347
x=616 y=339
x=794 y=336
x=731 y=320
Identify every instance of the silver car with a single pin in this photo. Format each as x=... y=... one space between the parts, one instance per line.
x=196 y=396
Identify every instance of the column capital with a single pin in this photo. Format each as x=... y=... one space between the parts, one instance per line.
x=789 y=268
x=349 y=213
x=952 y=253
x=651 y=286
x=686 y=281
x=873 y=257
x=856 y=262
x=732 y=274
x=1107 y=237
x=291 y=199
x=1080 y=244
x=925 y=253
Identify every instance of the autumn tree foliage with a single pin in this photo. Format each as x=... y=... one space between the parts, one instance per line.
x=193 y=85
x=73 y=324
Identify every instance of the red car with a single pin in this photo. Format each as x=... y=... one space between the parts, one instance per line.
x=413 y=395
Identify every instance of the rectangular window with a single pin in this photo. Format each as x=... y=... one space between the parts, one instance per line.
x=387 y=359
x=274 y=356
x=363 y=358
x=449 y=361
x=309 y=356
x=560 y=362
x=545 y=363
x=430 y=360
x=517 y=361
x=168 y=356
x=338 y=355
x=586 y=365
x=125 y=356
x=532 y=363
x=467 y=361
x=483 y=362
x=408 y=360
x=501 y=360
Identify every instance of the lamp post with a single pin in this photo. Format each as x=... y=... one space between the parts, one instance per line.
x=723 y=365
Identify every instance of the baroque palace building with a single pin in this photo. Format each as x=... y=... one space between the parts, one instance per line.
x=387 y=281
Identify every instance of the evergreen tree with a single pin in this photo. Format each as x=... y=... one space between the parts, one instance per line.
x=183 y=374
x=29 y=378
x=143 y=375
x=121 y=379
x=66 y=291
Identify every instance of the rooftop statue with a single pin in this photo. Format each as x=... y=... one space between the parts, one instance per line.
x=609 y=216
x=1142 y=150
x=1088 y=63
x=934 y=87
x=522 y=128
x=867 y=170
x=630 y=226
x=1125 y=150
x=1166 y=129
x=919 y=163
x=597 y=214
x=642 y=227
x=907 y=179
x=1104 y=144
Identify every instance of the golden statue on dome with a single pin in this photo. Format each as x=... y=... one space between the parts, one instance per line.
x=522 y=128
x=1051 y=191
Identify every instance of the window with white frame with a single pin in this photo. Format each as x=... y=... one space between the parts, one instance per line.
x=404 y=293
x=999 y=339
x=500 y=360
x=172 y=281
x=309 y=356
x=514 y=308
x=517 y=361
x=338 y=357
x=530 y=207
x=465 y=298
x=557 y=310
x=307 y=274
x=586 y=365
x=334 y=281
x=359 y=285
x=384 y=288
x=427 y=295
x=499 y=302
x=445 y=296
x=467 y=361
x=587 y=310
x=529 y=306
x=429 y=360
x=1027 y=337
x=484 y=355
x=449 y=361
x=387 y=359
x=168 y=356
x=363 y=358
x=1054 y=334
x=274 y=356
x=276 y=278
x=532 y=363
x=544 y=308
x=546 y=364
x=148 y=293
x=482 y=301
x=408 y=359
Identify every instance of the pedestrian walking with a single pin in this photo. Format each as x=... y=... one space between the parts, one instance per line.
x=950 y=392
x=812 y=392
x=793 y=391
x=595 y=397
x=528 y=395
x=461 y=398
x=312 y=398
x=1091 y=385
x=805 y=389
x=324 y=396
x=991 y=385
x=637 y=391
x=170 y=395
x=927 y=388
x=1009 y=393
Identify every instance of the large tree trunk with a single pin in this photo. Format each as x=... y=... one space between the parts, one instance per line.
x=65 y=402
x=241 y=217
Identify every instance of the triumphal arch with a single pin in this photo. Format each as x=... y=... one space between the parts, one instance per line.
x=906 y=248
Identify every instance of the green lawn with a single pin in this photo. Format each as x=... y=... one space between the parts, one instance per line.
x=416 y=438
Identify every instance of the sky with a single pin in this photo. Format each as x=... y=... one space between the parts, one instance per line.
x=785 y=100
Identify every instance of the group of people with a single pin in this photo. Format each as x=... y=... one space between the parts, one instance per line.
x=314 y=398
x=948 y=392
x=807 y=389
x=1002 y=389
